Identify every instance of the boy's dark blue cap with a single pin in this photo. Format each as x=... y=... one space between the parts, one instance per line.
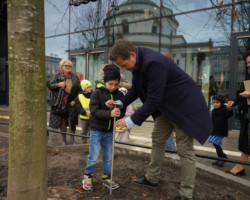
x=111 y=72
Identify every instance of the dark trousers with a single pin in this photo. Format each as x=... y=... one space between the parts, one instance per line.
x=219 y=151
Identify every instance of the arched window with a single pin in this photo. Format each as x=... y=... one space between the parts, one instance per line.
x=156 y=27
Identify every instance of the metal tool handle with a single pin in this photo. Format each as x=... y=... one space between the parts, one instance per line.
x=112 y=158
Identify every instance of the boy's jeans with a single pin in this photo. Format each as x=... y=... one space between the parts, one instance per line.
x=103 y=140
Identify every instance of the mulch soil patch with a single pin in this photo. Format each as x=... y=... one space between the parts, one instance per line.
x=66 y=169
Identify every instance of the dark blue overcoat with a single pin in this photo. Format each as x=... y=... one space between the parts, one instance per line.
x=164 y=87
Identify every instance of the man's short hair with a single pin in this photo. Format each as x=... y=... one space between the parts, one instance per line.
x=121 y=50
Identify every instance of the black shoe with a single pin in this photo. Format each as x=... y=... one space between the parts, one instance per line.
x=144 y=181
x=241 y=173
x=180 y=198
x=215 y=162
x=221 y=163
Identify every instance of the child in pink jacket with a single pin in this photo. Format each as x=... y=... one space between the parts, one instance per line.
x=122 y=134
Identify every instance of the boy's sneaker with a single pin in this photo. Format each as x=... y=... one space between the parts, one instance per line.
x=106 y=182
x=87 y=182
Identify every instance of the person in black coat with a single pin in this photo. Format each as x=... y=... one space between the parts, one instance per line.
x=64 y=86
x=244 y=138
x=173 y=99
x=220 y=115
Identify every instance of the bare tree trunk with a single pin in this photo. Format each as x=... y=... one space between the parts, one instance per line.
x=27 y=176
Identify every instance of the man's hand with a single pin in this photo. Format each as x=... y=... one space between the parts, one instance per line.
x=121 y=123
x=110 y=104
x=245 y=94
x=115 y=112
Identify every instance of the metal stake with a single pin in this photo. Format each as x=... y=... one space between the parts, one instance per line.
x=112 y=158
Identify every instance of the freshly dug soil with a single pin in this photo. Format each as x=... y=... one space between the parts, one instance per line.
x=66 y=169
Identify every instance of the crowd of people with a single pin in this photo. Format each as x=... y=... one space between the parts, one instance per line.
x=167 y=93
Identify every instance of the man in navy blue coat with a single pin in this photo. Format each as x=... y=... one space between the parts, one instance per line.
x=173 y=99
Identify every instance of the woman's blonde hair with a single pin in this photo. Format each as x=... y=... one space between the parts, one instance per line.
x=101 y=72
x=65 y=61
x=169 y=55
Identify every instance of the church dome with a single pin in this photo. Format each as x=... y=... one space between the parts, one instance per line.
x=138 y=2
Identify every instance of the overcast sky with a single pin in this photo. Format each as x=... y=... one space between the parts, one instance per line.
x=195 y=27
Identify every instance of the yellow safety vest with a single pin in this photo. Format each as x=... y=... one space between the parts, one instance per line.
x=85 y=104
